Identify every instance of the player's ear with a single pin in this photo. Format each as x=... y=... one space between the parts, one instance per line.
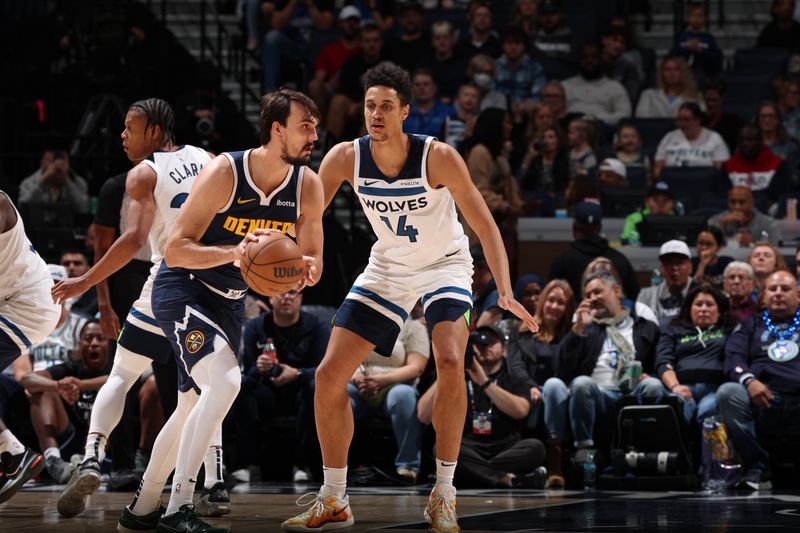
x=406 y=109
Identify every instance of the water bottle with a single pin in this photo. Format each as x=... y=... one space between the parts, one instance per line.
x=655 y=278
x=679 y=208
x=590 y=472
x=791 y=209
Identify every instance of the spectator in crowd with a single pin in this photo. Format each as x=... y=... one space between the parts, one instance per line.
x=592 y=93
x=755 y=166
x=596 y=358
x=588 y=245
x=676 y=86
x=427 y=113
x=691 y=144
x=612 y=174
x=541 y=117
x=616 y=66
x=449 y=67
x=738 y=283
x=765 y=258
x=55 y=183
x=708 y=265
x=787 y=96
x=761 y=362
x=659 y=201
x=493 y=452
x=385 y=386
x=632 y=51
x=253 y=12
x=545 y=173
x=412 y=43
x=480 y=71
x=76 y=263
x=525 y=15
x=743 y=222
x=783 y=31
x=605 y=264
x=292 y=23
x=628 y=148
x=581 y=136
x=555 y=44
x=487 y=162
x=59 y=345
x=280 y=383
x=527 y=290
x=480 y=37
x=554 y=97
x=380 y=12
x=778 y=140
x=62 y=397
x=346 y=107
x=462 y=120
x=666 y=298
x=697 y=45
x=716 y=118
x=691 y=351
x=332 y=56
x=518 y=76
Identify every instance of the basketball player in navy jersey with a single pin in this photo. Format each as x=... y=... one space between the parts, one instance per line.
x=409 y=187
x=27 y=316
x=198 y=296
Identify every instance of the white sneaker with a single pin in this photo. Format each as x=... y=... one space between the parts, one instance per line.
x=325 y=512
x=440 y=514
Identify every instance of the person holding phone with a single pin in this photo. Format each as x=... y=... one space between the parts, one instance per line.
x=55 y=183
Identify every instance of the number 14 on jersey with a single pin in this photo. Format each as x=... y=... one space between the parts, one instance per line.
x=402 y=230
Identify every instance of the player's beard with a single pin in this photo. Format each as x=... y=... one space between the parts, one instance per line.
x=296 y=159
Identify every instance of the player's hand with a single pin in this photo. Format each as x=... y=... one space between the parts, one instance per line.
x=517 y=309
x=310 y=273
x=109 y=321
x=69 y=288
x=239 y=251
x=760 y=394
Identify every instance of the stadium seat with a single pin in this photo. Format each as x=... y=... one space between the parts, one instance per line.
x=637 y=177
x=689 y=184
x=651 y=130
x=765 y=61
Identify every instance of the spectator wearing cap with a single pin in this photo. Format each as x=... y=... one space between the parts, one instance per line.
x=743 y=222
x=618 y=67
x=332 y=56
x=716 y=118
x=412 y=42
x=449 y=66
x=587 y=245
x=592 y=93
x=738 y=281
x=612 y=173
x=666 y=298
x=608 y=352
x=427 y=113
x=659 y=201
x=764 y=371
x=518 y=76
x=755 y=166
x=555 y=44
x=493 y=452
x=690 y=145
x=480 y=37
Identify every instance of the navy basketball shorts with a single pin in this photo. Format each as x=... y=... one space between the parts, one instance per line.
x=192 y=317
x=383 y=296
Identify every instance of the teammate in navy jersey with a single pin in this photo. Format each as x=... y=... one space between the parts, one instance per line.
x=198 y=295
x=409 y=187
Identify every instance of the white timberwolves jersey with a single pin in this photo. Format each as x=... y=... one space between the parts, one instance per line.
x=176 y=172
x=416 y=225
x=20 y=265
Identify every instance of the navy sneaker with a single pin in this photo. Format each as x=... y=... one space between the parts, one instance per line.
x=214 y=501
x=17 y=470
x=84 y=481
x=186 y=520
x=131 y=523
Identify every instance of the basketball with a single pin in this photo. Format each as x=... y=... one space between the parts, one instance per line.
x=273 y=265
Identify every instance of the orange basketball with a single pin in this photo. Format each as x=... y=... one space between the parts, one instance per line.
x=273 y=265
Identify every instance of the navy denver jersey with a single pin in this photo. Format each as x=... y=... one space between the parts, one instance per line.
x=249 y=209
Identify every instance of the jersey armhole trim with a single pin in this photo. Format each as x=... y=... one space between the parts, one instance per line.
x=235 y=183
x=356 y=162
x=424 y=164
x=300 y=173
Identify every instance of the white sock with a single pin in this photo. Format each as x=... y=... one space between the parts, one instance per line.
x=213 y=466
x=445 y=470
x=95 y=447
x=336 y=480
x=182 y=492
x=147 y=497
x=10 y=444
x=52 y=452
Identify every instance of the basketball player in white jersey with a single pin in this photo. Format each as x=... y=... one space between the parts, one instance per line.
x=157 y=187
x=27 y=316
x=409 y=187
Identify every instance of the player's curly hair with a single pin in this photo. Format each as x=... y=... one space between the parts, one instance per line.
x=388 y=74
x=158 y=113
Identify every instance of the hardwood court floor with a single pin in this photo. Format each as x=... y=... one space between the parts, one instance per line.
x=262 y=507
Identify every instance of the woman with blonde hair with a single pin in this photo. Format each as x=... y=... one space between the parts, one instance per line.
x=676 y=85
x=765 y=258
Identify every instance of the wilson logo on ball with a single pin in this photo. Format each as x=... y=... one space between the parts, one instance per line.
x=287 y=272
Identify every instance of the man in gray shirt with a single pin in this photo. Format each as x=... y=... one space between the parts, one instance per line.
x=743 y=222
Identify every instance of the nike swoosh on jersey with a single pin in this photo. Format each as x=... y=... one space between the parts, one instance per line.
x=452 y=254
x=240 y=201
x=368 y=183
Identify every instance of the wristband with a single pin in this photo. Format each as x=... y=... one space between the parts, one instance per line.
x=485 y=384
x=748 y=381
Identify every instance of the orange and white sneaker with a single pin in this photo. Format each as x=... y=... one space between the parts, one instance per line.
x=325 y=513
x=440 y=514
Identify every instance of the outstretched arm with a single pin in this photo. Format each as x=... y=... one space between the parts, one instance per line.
x=139 y=185
x=447 y=169
x=336 y=167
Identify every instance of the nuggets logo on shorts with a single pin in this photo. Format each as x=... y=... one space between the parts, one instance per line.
x=194 y=341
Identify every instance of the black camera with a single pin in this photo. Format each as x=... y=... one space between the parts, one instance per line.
x=650 y=463
x=205 y=126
